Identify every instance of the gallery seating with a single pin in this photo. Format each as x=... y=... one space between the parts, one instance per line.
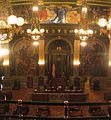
x=109 y=110
x=8 y=95
x=79 y=97
x=107 y=96
x=39 y=97
x=96 y=111
x=76 y=111
x=96 y=85
x=4 y=108
x=41 y=110
x=24 y=110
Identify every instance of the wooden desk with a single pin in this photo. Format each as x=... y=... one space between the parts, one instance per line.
x=58 y=97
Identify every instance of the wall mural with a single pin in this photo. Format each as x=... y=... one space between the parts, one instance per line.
x=93 y=60
x=24 y=58
x=59 y=13
x=49 y=14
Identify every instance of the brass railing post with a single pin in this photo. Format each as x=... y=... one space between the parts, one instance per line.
x=66 y=110
x=20 y=108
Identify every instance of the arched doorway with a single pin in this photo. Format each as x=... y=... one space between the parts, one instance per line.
x=59 y=58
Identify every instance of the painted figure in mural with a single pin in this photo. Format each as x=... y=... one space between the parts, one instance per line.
x=20 y=68
x=43 y=15
x=25 y=63
x=60 y=15
x=23 y=52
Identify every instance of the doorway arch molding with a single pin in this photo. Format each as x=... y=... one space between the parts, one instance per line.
x=57 y=38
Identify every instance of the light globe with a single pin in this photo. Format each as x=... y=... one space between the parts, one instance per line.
x=102 y=22
x=12 y=19
x=20 y=21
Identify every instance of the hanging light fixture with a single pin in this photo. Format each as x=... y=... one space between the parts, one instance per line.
x=105 y=21
x=105 y=24
x=36 y=32
x=83 y=32
x=8 y=24
x=102 y=22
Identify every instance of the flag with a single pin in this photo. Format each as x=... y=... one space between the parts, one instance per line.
x=53 y=71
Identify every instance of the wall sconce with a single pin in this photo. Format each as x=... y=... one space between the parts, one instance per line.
x=4 y=52
x=41 y=62
x=109 y=63
x=83 y=44
x=35 y=43
x=5 y=62
x=76 y=62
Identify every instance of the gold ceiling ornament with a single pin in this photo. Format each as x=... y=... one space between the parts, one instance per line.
x=83 y=31
x=8 y=23
x=40 y=2
x=36 y=32
x=79 y=2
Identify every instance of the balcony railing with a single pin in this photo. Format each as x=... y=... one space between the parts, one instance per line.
x=41 y=110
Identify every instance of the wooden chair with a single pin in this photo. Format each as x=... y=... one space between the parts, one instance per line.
x=78 y=97
x=24 y=110
x=76 y=111
x=41 y=110
x=96 y=111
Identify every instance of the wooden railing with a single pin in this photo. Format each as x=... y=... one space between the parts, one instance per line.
x=98 y=110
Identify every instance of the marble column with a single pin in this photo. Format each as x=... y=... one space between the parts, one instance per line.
x=6 y=60
x=109 y=67
x=41 y=61
x=76 y=58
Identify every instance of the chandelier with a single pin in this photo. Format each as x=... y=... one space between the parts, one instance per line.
x=102 y=22
x=105 y=24
x=83 y=32
x=36 y=32
x=8 y=23
x=105 y=21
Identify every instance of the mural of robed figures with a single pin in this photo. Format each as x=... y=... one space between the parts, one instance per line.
x=93 y=60
x=50 y=14
x=24 y=58
x=59 y=15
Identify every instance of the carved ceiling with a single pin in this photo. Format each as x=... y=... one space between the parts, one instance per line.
x=106 y=3
x=23 y=8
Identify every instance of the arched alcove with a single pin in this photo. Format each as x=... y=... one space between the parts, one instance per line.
x=23 y=58
x=59 y=56
x=94 y=59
